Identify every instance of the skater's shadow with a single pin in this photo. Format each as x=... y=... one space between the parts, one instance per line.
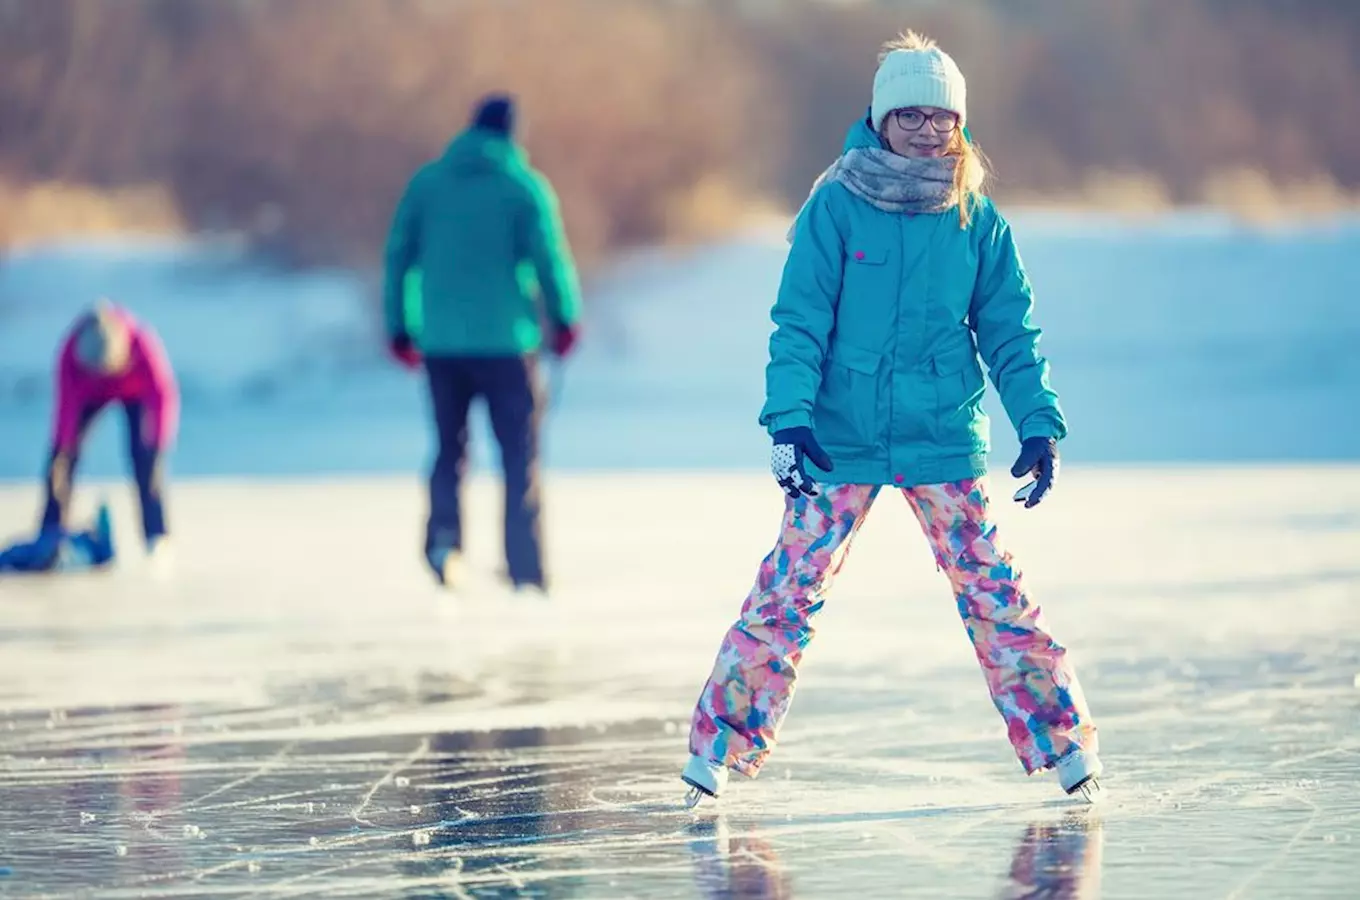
x=1057 y=860
x=727 y=867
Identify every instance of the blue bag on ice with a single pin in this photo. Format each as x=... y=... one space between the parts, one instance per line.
x=58 y=550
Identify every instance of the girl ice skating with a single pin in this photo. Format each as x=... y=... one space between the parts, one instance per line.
x=901 y=272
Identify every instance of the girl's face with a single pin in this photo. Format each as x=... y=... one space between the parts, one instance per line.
x=920 y=131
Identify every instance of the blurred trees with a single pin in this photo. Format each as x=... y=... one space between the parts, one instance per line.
x=298 y=121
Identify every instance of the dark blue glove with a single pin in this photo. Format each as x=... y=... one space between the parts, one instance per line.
x=791 y=447
x=1038 y=457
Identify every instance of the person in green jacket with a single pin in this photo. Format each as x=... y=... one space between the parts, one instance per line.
x=901 y=272
x=478 y=257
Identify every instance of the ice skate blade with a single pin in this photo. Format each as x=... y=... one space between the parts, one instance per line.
x=1089 y=790
x=695 y=795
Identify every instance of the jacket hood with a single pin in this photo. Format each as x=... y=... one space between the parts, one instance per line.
x=861 y=135
x=480 y=148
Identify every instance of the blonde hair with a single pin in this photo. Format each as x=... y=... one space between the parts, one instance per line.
x=973 y=169
x=970 y=176
x=907 y=40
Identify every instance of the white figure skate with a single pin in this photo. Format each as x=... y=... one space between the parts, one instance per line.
x=704 y=779
x=1079 y=773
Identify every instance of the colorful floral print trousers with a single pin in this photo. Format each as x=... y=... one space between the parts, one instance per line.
x=744 y=702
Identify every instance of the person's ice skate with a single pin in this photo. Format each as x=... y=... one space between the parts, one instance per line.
x=1079 y=773
x=704 y=778
x=446 y=564
x=160 y=556
x=529 y=590
x=525 y=589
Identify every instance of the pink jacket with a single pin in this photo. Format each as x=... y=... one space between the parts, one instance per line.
x=148 y=380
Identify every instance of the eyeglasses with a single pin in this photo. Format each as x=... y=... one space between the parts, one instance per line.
x=912 y=119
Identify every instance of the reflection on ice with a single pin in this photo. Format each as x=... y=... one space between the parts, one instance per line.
x=1057 y=861
x=728 y=867
x=1052 y=861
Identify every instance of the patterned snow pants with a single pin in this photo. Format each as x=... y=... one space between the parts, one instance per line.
x=743 y=704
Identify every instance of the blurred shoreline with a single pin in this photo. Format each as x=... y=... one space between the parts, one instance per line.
x=93 y=220
x=1181 y=337
x=201 y=117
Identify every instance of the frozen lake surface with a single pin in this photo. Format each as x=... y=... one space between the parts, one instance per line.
x=291 y=710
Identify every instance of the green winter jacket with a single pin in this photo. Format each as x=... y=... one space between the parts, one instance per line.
x=477 y=248
x=878 y=324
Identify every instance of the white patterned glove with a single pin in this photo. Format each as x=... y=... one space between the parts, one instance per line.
x=791 y=447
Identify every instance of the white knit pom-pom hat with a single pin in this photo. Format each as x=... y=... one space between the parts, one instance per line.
x=927 y=77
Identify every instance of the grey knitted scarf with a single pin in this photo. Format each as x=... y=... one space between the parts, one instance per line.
x=893 y=183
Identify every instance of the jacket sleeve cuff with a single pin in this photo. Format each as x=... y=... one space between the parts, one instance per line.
x=794 y=419
x=1042 y=428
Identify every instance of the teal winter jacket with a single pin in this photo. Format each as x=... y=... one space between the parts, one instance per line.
x=879 y=322
x=477 y=256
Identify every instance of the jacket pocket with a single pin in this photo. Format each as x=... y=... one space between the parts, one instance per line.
x=866 y=255
x=959 y=393
x=845 y=414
